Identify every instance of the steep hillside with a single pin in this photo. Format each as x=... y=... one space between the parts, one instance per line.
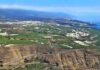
x=21 y=56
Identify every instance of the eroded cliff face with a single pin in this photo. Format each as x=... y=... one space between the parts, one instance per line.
x=74 y=59
x=61 y=59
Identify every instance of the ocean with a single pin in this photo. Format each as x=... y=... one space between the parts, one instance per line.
x=97 y=25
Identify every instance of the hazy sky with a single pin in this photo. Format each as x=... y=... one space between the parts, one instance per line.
x=53 y=2
x=82 y=9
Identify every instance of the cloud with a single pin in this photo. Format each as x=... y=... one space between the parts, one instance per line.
x=72 y=10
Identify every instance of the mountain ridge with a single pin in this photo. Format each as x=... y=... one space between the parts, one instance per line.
x=19 y=14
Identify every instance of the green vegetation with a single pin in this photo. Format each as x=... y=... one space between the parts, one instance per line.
x=49 y=34
x=39 y=66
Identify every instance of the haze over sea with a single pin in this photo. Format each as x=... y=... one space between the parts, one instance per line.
x=85 y=10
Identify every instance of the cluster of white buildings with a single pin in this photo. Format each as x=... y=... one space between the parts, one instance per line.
x=77 y=34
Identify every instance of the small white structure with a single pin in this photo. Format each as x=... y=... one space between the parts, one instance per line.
x=13 y=34
x=37 y=28
x=88 y=42
x=81 y=43
x=4 y=34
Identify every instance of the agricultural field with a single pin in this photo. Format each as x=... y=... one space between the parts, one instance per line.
x=53 y=35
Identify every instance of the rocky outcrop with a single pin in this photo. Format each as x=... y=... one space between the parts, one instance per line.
x=74 y=59
x=63 y=59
